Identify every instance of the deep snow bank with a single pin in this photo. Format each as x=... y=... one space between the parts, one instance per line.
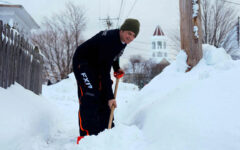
x=195 y=110
x=25 y=118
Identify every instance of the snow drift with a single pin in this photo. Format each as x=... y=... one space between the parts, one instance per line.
x=25 y=118
x=197 y=110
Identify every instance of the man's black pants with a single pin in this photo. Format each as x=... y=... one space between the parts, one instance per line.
x=94 y=111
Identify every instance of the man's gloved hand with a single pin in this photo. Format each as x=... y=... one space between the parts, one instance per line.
x=119 y=74
x=112 y=103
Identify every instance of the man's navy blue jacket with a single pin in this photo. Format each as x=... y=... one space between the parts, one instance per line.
x=101 y=52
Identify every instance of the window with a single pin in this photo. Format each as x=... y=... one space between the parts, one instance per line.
x=153 y=54
x=159 y=45
x=165 y=45
x=159 y=54
x=165 y=54
x=153 y=45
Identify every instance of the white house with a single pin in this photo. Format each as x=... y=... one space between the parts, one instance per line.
x=17 y=17
x=159 y=50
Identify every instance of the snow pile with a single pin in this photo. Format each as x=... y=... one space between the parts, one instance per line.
x=195 y=110
x=25 y=118
x=215 y=56
x=121 y=137
x=66 y=90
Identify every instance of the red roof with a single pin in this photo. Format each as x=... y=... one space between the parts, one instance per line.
x=158 y=31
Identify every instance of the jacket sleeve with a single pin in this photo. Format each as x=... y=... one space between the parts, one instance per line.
x=116 y=66
x=106 y=80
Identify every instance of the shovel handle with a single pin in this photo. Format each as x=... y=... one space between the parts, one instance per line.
x=113 y=108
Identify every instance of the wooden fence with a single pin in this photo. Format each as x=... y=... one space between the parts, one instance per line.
x=19 y=62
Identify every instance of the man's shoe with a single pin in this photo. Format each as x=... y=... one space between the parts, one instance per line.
x=79 y=138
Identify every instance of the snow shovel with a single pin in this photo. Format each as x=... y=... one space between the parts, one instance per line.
x=112 y=108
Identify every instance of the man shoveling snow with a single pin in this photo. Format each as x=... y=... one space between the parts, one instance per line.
x=92 y=64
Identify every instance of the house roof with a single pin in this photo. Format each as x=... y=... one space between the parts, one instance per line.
x=164 y=61
x=158 y=31
x=20 y=11
x=4 y=2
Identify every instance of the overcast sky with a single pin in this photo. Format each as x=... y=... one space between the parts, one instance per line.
x=150 y=13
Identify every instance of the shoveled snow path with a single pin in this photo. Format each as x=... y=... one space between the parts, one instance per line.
x=122 y=136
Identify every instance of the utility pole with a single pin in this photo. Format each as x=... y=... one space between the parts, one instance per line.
x=108 y=22
x=191 y=30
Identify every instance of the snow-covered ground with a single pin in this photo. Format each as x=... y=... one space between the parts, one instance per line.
x=197 y=110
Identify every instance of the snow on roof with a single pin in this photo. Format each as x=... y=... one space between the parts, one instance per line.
x=19 y=10
x=158 y=31
x=5 y=3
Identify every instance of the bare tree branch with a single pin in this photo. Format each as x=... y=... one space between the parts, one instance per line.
x=59 y=38
x=218 y=22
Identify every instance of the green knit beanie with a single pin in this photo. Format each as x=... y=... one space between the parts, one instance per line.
x=131 y=25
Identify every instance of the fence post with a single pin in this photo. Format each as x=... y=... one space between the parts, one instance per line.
x=30 y=73
x=23 y=63
x=238 y=30
x=15 y=47
x=8 y=51
x=18 y=60
x=40 y=72
x=4 y=58
x=1 y=54
x=37 y=69
x=33 y=79
x=11 y=54
x=28 y=65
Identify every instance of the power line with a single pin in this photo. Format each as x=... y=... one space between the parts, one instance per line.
x=99 y=9
x=120 y=12
x=99 y=14
x=124 y=5
x=132 y=8
x=232 y=2
x=108 y=7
